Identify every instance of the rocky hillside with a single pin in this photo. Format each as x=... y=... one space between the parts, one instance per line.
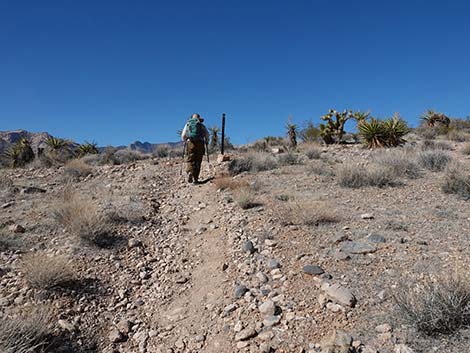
x=8 y=138
x=300 y=252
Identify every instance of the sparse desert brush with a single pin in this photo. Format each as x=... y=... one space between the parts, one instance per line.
x=245 y=198
x=435 y=145
x=76 y=169
x=308 y=213
x=289 y=158
x=456 y=181
x=126 y=156
x=458 y=135
x=353 y=176
x=226 y=182
x=25 y=334
x=252 y=162
x=5 y=182
x=46 y=272
x=402 y=162
x=434 y=160
x=466 y=149
x=435 y=305
x=82 y=218
x=321 y=169
x=313 y=152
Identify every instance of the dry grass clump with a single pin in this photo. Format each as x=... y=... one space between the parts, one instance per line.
x=5 y=182
x=456 y=181
x=435 y=305
x=82 y=218
x=225 y=182
x=466 y=149
x=76 y=169
x=458 y=136
x=28 y=334
x=127 y=210
x=402 y=162
x=352 y=176
x=289 y=158
x=126 y=156
x=46 y=272
x=435 y=145
x=308 y=213
x=245 y=198
x=253 y=162
x=313 y=153
x=434 y=160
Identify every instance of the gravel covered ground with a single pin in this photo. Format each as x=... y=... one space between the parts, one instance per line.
x=309 y=266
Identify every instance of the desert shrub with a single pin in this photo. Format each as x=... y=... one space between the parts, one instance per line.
x=245 y=198
x=456 y=181
x=5 y=182
x=253 y=162
x=283 y=197
x=161 y=151
x=225 y=182
x=307 y=213
x=313 y=153
x=45 y=272
x=28 y=334
x=458 y=135
x=402 y=162
x=76 y=169
x=362 y=176
x=288 y=159
x=310 y=133
x=321 y=169
x=126 y=156
x=435 y=145
x=434 y=160
x=81 y=218
x=435 y=305
x=466 y=149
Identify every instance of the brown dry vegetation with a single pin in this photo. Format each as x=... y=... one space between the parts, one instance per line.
x=47 y=271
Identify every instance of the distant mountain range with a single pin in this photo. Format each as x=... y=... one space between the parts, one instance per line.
x=9 y=138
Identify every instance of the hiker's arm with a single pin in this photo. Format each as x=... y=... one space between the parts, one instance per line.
x=206 y=135
x=184 y=133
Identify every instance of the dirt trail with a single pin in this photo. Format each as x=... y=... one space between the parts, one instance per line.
x=195 y=313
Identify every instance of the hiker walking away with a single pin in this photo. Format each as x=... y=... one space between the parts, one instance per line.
x=196 y=136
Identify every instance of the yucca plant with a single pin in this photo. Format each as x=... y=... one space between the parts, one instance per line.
x=292 y=132
x=432 y=118
x=395 y=129
x=56 y=144
x=20 y=153
x=373 y=132
x=383 y=133
x=87 y=148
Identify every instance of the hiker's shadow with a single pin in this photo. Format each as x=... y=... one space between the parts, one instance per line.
x=205 y=181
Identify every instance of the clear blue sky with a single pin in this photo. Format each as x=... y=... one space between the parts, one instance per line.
x=118 y=71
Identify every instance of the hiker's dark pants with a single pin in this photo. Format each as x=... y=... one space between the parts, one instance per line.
x=196 y=151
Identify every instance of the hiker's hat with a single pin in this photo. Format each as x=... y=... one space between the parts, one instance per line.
x=197 y=116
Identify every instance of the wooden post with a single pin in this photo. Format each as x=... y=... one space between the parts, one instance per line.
x=222 y=145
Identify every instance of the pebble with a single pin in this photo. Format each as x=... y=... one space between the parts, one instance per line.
x=267 y=308
x=271 y=320
x=401 y=348
x=245 y=334
x=240 y=291
x=116 y=337
x=367 y=216
x=248 y=247
x=16 y=228
x=273 y=264
x=313 y=270
x=340 y=294
x=383 y=328
x=353 y=247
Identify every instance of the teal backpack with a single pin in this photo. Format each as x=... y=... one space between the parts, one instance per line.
x=196 y=131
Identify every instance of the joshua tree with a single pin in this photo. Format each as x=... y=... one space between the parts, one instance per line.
x=333 y=129
x=292 y=133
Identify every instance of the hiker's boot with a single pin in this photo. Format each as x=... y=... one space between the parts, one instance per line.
x=195 y=182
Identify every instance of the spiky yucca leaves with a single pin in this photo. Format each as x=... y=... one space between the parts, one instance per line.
x=292 y=132
x=373 y=132
x=56 y=144
x=87 y=148
x=20 y=153
x=432 y=118
x=395 y=129
x=383 y=133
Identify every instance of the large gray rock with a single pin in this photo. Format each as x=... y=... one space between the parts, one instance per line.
x=339 y=342
x=313 y=270
x=355 y=247
x=267 y=308
x=340 y=294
